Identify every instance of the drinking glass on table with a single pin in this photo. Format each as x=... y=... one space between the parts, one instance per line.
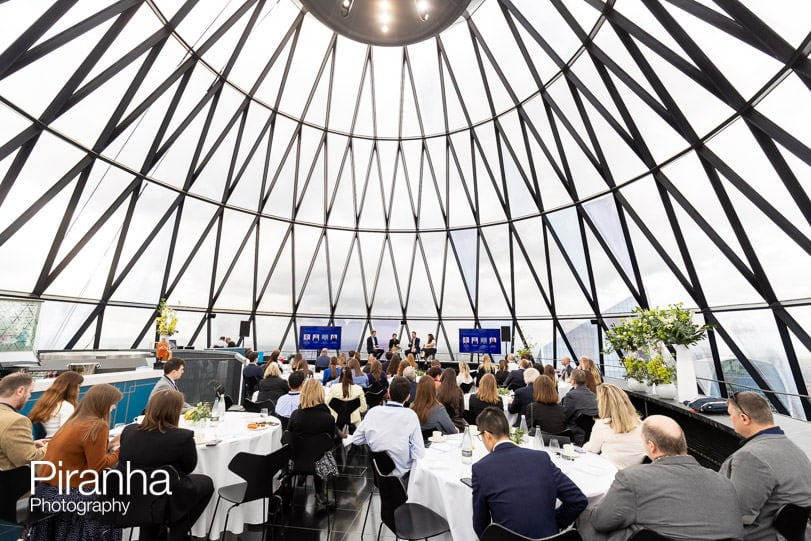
x=554 y=446
x=263 y=413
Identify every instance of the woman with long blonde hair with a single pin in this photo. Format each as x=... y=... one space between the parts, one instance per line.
x=57 y=403
x=313 y=417
x=617 y=434
x=486 y=366
x=588 y=365
x=486 y=396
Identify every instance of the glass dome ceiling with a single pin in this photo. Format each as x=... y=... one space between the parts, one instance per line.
x=543 y=165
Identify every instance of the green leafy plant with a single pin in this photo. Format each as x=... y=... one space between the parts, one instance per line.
x=651 y=328
x=201 y=411
x=503 y=391
x=166 y=322
x=528 y=348
x=676 y=326
x=517 y=436
x=660 y=371
x=635 y=368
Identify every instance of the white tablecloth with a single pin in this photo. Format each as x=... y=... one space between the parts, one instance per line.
x=434 y=482
x=213 y=461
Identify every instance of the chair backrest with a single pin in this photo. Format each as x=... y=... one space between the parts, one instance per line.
x=143 y=506
x=586 y=423
x=497 y=532
x=38 y=431
x=427 y=434
x=305 y=450
x=385 y=465
x=256 y=407
x=344 y=409
x=563 y=438
x=374 y=398
x=16 y=483
x=259 y=471
x=791 y=521
x=392 y=496
x=465 y=387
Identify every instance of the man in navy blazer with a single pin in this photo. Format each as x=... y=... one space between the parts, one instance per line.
x=518 y=487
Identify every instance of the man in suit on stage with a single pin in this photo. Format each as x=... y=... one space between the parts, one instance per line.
x=414 y=345
x=372 y=347
x=17 y=445
x=674 y=495
x=504 y=478
x=768 y=471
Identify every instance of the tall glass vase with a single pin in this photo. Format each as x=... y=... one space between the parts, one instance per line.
x=685 y=374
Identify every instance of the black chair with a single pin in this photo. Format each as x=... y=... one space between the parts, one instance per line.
x=563 y=438
x=258 y=472
x=38 y=431
x=497 y=532
x=143 y=508
x=256 y=407
x=405 y=520
x=16 y=483
x=344 y=409
x=374 y=398
x=585 y=423
x=426 y=434
x=385 y=465
x=466 y=387
x=791 y=521
x=305 y=450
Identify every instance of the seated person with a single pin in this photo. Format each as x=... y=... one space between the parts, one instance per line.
x=393 y=429
x=464 y=377
x=376 y=377
x=617 y=434
x=358 y=377
x=516 y=378
x=288 y=403
x=523 y=396
x=545 y=412
x=430 y=412
x=435 y=373
x=172 y=371
x=518 y=487
x=578 y=401
x=451 y=396
x=347 y=390
x=485 y=367
x=311 y=419
x=17 y=445
x=332 y=372
x=76 y=451
x=251 y=373
x=157 y=442
x=429 y=350
x=502 y=373
x=487 y=396
x=322 y=361
x=768 y=471
x=674 y=496
x=273 y=386
x=57 y=403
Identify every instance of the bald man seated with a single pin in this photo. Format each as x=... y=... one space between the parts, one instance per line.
x=768 y=471
x=674 y=495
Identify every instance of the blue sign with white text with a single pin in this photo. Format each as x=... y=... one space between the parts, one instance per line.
x=480 y=341
x=319 y=337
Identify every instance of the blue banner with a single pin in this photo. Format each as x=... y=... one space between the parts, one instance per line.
x=480 y=341
x=319 y=337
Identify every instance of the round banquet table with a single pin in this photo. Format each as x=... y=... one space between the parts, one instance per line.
x=213 y=461
x=435 y=481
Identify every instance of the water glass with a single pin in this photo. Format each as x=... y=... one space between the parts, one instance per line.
x=538 y=439
x=263 y=413
x=554 y=446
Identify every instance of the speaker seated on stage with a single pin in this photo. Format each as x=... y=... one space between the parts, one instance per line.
x=429 y=351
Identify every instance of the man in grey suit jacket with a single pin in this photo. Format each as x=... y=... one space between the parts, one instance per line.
x=674 y=496
x=768 y=470
x=172 y=371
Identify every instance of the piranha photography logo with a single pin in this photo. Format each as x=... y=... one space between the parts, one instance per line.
x=90 y=491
